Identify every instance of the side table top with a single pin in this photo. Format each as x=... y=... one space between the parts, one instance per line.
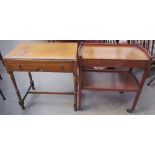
x=42 y=51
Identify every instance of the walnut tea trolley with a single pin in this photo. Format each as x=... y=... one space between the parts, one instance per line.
x=42 y=57
x=109 y=68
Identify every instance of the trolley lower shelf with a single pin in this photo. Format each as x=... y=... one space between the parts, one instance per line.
x=109 y=81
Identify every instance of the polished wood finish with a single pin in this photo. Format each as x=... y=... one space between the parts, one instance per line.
x=44 y=51
x=116 y=81
x=40 y=65
x=42 y=57
x=95 y=58
x=114 y=63
x=113 y=52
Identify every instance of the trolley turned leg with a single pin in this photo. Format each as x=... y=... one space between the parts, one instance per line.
x=31 y=80
x=21 y=102
x=2 y=95
x=139 y=91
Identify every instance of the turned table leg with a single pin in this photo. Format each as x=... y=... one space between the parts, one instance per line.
x=75 y=91
x=79 y=94
x=79 y=85
x=2 y=95
x=21 y=102
x=31 y=80
x=79 y=89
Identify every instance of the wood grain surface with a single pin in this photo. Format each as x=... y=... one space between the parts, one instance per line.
x=113 y=52
x=44 y=51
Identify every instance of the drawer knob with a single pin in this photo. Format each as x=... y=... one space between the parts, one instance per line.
x=19 y=67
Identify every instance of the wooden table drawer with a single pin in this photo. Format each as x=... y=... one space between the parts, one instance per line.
x=39 y=66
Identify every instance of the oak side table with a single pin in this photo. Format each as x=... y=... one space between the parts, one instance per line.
x=42 y=57
x=108 y=67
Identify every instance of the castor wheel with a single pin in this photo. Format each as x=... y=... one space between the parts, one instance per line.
x=130 y=111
